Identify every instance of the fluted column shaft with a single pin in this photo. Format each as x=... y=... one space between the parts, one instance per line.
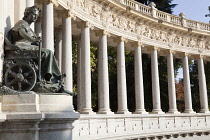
x=121 y=79
x=103 y=76
x=202 y=87
x=67 y=52
x=48 y=26
x=85 y=72
x=58 y=48
x=139 y=86
x=155 y=83
x=187 y=88
x=171 y=84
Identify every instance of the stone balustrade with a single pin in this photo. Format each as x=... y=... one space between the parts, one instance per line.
x=162 y=15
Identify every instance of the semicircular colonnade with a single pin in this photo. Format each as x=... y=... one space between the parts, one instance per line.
x=127 y=25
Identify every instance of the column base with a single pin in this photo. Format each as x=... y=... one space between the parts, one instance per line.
x=140 y=111
x=157 y=111
x=104 y=111
x=204 y=111
x=123 y=112
x=173 y=111
x=87 y=111
x=189 y=111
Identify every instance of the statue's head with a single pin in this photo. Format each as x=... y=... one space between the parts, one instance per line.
x=31 y=13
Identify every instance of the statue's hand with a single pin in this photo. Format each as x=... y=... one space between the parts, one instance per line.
x=38 y=39
x=37 y=42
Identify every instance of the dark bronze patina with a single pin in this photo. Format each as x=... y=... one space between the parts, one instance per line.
x=28 y=67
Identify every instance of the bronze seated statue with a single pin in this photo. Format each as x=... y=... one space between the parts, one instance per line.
x=27 y=66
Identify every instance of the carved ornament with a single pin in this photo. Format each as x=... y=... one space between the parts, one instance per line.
x=85 y=24
x=111 y=17
x=66 y=14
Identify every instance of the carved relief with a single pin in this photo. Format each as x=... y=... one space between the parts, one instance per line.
x=208 y=45
x=114 y=18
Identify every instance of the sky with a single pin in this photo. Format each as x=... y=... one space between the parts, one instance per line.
x=193 y=9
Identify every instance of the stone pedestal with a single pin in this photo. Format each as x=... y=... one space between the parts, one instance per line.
x=37 y=117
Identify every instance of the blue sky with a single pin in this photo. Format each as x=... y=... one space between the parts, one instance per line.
x=193 y=9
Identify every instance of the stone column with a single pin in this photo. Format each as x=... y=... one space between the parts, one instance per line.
x=20 y=6
x=67 y=48
x=187 y=88
x=79 y=75
x=2 y=18
x=48 y=23
x=38 y=27
x=139 y=86
x=171 y=83
x=86 y=107
x=30 y=3
x=155 y=82
x=58 y=46
x=121 y=78
x=103 y=74
x=202 y=86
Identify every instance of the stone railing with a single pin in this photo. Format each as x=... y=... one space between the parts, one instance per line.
x=148 y=10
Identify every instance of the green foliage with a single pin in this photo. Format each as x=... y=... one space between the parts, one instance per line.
x=194 y=85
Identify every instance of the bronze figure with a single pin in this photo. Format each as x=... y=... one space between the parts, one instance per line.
x=22 y=51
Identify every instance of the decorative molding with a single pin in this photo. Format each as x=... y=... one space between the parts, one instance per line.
x=169 y=51
x=152 y=48
x=102 y=32
x=137 y=44
x=112 y=126
x=200 y=56
x=120 y=39
x=66 y=14
x=85 y=24
x=157 y=32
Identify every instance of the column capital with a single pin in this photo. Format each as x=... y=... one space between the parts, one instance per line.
x=54 y=2
x=182 y=54
x=120 y=39
x=102 y=32
x=85 y=24
x=66 y=14
x=152 y=48
x=137 y=44
x=199 y=56
x=169 y=51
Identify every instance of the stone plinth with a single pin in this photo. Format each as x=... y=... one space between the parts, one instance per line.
x=37 y=117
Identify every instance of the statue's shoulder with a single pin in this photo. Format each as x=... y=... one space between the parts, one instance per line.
x=20 y=24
